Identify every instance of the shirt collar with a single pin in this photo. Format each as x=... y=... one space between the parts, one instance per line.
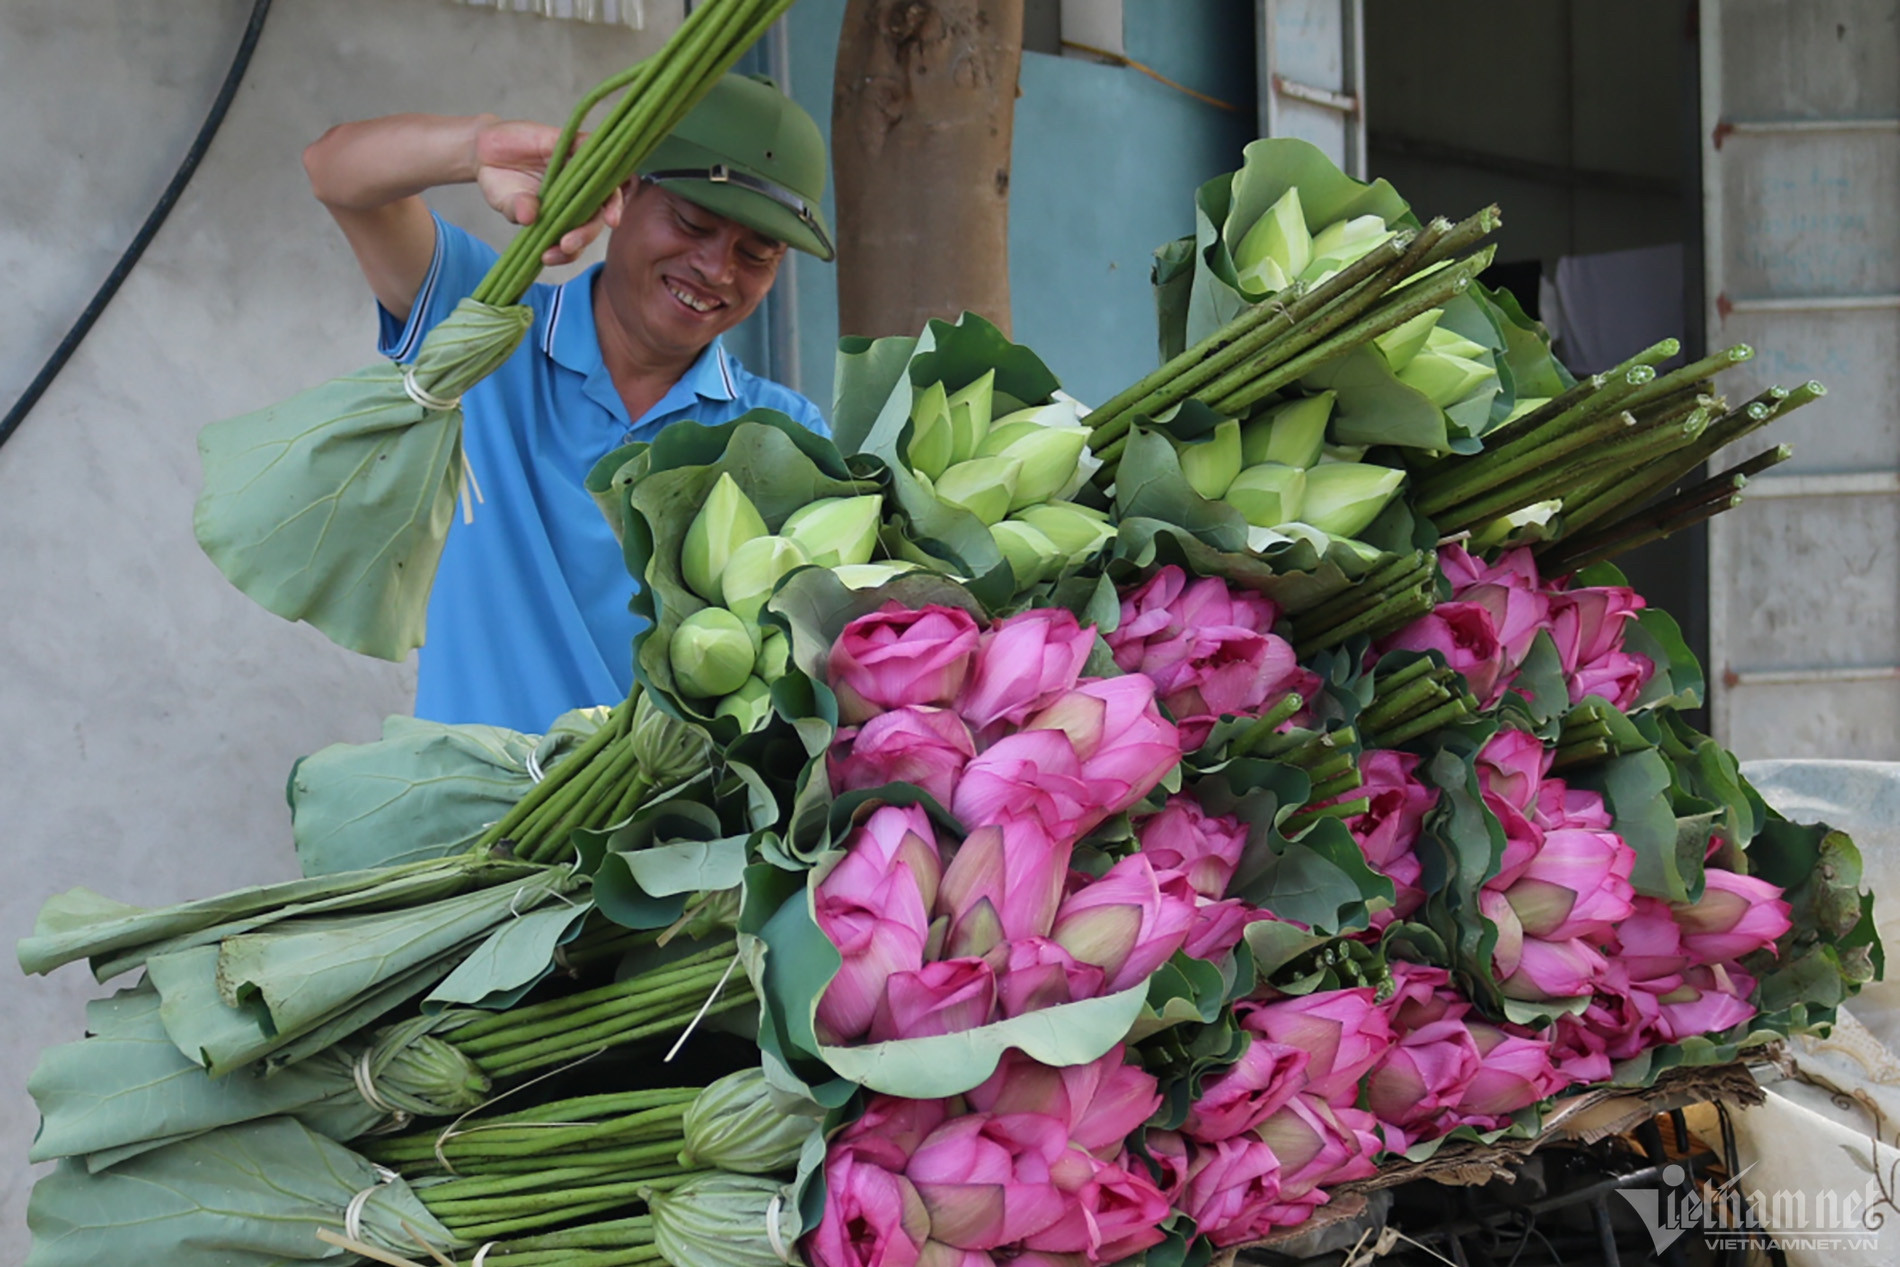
x=568 y=335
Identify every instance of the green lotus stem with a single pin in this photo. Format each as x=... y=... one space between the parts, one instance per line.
x=1366 y=598
x=548 y=1052
x=1488 y=471
x=1337 y=785
x=634 y=795
x=1264 y=725
x=497 y=1227
x=1331 y=767
x=560 y=1172
x=1403 y=702
x=1312 y=814
x=501 y=1215
x=1394 y=573
x=1668 y=528
x=1578 y=754
x=1386 y=681
x=1419 y=297
x=1720 y=487
x=612 y=1234
x=1609 y=461
x=638 y=1005
x=1677 y=379
x=545 y=831
x=1392 y=611
x=1302 y=749
x=630 y=1256
x=1440 y=717
x=629 y=1162
x=547 y=1145
x=563 y=771
x=1602 y=501
x=603 y=941
x=516 y=1019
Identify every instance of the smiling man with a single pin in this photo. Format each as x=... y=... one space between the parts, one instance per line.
x=529 y=614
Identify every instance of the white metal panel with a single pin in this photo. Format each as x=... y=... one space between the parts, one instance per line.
x=1801 y=167
x=1312 y=75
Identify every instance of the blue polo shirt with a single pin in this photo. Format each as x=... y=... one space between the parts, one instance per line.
x=529 y=617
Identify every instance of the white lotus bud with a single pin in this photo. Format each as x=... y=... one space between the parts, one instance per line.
x=837 y=530
x=1276 y=249
x=727 y=521
x=1268 y=494
x=1210 y=465
x=1343 y=497
x=1291 y=434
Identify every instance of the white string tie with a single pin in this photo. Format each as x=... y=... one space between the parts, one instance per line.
x=353 y=1212
x=777 y=1241
x=533 y=765
x=422 y=396
x=468 y=483
x=481 y=1255
x=703 y=1009
x=365 y=1080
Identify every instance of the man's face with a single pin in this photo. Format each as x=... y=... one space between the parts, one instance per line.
x=678 y=275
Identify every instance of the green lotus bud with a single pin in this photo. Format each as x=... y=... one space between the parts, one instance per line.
x=1343 y=497
x=931 y=443
x=1268 y=494
x=750 y=705
x=1401 y=343
x=1343 y=453
x=1342 y=242
x=1451 y=343
x=1210 y=465
x=983 y=486
x=727 y=521
x=754 y=570
x=669 y=750
x=1076 y=531
x=721 y=1220
x=1445 y=380
x=868 y=576
x=1517 y=528
x=835 y=531
x=1290 y=434
x=970 y=417
x=1277 y=248
x=775 y=656
x=1032 y=556
x=1048 y=455
x=744 y=1124
x=421 y=1074
x=712 y=653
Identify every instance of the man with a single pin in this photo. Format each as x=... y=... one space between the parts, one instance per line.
x=529 y=615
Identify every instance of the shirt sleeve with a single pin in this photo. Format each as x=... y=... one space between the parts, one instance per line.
x=460 y=262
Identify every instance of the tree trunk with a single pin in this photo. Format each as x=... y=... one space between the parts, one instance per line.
x=923 y=108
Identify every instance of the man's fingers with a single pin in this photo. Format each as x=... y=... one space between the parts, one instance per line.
x=526 y=209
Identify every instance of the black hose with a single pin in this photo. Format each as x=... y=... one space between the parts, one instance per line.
x=147 y=231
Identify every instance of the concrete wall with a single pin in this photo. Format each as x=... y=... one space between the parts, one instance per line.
x=152 y=711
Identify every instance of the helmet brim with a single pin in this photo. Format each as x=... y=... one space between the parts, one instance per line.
x=758 y=211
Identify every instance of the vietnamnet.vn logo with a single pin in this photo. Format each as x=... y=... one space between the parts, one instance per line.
x=1728 y=1217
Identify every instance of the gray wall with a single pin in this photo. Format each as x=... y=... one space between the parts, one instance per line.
x=153 y=712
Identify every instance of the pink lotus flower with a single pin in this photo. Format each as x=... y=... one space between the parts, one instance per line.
x=995 y=1180
x=1344 y=1031
x=1579 y=1052
x=1508 y=589
x=1319 y=1143
x=1515 y=1072
x=1218 y=926
x=1022 y=663
x=1587 y=626
x=1648 y=943
x=895 y=657
x=1127 y=923
x=1508 y=952
x=892 y=1127
x=1102 y=1102
x=1511 y=768
x=938 y=1254
x=944 y=997
x=1554 y=970
x=1389 y=827
x=1468 y=639
x=1418 y=1083
x=1004 y=884
x=1032 y=776
x=1577 y=885
x=1560 y=805
x=1737 y=914
x=1118 y=1212
x=1126 y=746
x=1523 y=840
x=873 y=1217
x=1171 y=1155
x=1038 y=974
x=873 y=907
x=1186 y=838
x=1711 y=999
x=1267 y=1075
x=1230 y=1190
x=1421 y=995
x=927 y=747
x=1208 y=648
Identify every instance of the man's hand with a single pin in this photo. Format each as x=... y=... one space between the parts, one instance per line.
x=511 y=159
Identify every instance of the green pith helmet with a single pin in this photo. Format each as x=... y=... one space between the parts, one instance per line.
x=751 y=154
